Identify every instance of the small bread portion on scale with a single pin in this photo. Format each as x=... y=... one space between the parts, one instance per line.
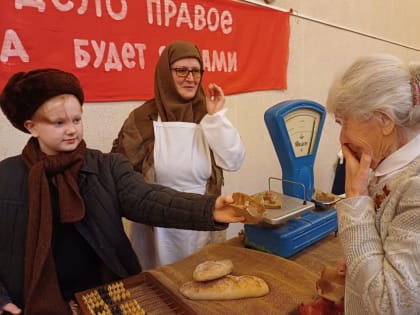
x=212 y=269
x=271 y=199
x=227 y=288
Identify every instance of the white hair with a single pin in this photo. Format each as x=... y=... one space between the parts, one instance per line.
x=374 y=83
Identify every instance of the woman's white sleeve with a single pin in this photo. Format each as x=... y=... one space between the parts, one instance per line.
x=224 y=140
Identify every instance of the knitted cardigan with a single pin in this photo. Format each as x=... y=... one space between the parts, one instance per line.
x=380 y=235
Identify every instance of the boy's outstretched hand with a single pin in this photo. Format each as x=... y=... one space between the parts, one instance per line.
x=224 y=213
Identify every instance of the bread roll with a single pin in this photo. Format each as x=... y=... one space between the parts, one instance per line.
x=249 y=207
x=227 y=288
x=212 y=269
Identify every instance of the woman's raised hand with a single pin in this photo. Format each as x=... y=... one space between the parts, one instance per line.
x=215 y=99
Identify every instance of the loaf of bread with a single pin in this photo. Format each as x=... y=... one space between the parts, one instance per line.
x=227 y=288
x=212 y=269
x=249 y=207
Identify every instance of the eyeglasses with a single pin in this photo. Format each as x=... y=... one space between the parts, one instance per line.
x=185 y=72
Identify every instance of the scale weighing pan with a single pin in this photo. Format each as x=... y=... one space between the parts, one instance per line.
x=291 y=206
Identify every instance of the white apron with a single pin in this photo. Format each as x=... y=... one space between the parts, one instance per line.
x=181 y=161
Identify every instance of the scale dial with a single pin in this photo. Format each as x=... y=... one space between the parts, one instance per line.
x=302 y=127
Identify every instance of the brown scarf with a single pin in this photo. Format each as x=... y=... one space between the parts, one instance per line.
x=42 y=293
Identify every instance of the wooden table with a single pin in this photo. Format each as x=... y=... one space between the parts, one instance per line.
x=291 y=281
x=326 y=252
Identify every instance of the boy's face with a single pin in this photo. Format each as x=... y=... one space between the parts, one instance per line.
x=57 y=124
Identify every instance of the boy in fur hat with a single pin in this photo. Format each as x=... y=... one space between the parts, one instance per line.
x=61 y=203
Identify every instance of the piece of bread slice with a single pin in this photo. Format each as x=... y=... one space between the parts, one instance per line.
x=271 y=199
x=331 y=285
x=251 y=208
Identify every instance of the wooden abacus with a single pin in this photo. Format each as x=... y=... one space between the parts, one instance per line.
x=137 y=295
x=112 y=299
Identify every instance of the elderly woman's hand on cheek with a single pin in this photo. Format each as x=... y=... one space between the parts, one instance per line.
x=357 y=173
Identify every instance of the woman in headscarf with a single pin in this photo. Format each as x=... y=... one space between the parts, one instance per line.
x=181 y=139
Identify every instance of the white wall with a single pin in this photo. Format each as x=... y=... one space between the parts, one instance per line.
x=317 y=53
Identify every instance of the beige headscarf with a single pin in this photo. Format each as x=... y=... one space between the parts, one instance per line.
x=136 y=137
x=172 y=106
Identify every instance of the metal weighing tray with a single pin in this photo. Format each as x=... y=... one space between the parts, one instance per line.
x=291 y=228
x=291 y=207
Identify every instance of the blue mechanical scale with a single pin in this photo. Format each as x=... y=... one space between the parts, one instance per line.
x=295 y=129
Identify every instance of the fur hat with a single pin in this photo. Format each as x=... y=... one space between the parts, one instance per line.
x=25 y=92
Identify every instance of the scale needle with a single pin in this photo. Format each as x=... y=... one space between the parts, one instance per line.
x=312 y=137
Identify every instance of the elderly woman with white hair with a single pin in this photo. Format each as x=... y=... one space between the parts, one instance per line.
x=377 y=104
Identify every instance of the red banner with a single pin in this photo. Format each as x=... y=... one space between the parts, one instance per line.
x=113 y=45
